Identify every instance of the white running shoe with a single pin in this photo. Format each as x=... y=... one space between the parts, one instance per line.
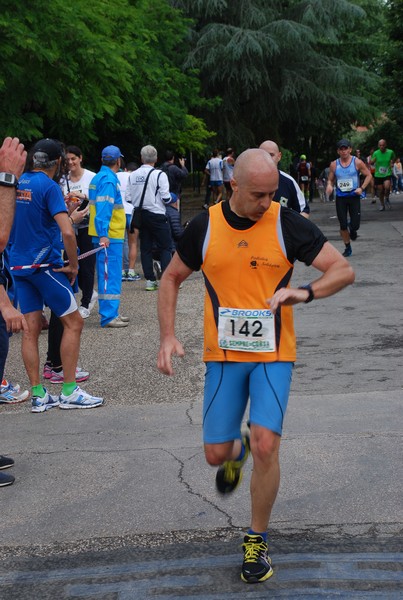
x=81 y=375
x=151 y=286
x=94 y=298
x=41 y=404
x=84 y=312
x=79 y=399
x=12 y=394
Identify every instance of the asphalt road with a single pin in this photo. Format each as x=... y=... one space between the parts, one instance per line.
x=117 y=503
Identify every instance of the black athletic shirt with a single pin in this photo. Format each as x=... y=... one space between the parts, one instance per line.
x=303 y=239
x=287 y=194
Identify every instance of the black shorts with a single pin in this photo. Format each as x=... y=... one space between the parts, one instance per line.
x=381 y=180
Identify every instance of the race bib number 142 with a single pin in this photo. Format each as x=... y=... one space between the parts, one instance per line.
x=246 y=330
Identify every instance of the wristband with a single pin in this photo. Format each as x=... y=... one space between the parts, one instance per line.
x=72 y=222
x=307 y=287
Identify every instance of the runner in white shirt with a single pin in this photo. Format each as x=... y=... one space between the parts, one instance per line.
x=214 y=169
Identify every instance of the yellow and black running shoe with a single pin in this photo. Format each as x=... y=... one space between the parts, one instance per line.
x=256 y=564
x=229 y=475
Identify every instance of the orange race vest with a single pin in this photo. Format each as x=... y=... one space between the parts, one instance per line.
x=242 y=269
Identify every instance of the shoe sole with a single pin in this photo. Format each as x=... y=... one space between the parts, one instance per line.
x=253 y=579
x=71 y=406
x=7 y=483
x=39 y=409
x=15 y=400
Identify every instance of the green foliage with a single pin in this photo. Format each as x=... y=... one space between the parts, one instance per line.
x=174 y=72
x=97 y=71
x=291 y=70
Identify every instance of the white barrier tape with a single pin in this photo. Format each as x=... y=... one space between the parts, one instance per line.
x=66 y=262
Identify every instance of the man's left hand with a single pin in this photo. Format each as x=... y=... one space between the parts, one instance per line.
x=286 y=297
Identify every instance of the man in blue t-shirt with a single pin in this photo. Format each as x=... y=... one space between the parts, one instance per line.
x=41 y=223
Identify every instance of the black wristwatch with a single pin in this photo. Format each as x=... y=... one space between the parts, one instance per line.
x=310 y=291
x=8 y=180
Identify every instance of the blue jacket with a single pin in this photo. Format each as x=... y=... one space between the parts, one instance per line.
x=107 y=214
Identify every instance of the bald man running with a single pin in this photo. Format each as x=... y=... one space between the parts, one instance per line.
x=288 y=192
x=246 y=249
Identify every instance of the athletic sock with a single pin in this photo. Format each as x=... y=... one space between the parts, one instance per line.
x=57 y=369
x=68 y=388
x=242 y=453
x=38 y=390
x=264 y=534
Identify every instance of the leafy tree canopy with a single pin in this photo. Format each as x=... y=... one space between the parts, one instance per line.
x=285 y=70
x=97 y=71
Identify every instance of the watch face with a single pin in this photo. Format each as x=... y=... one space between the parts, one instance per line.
x=8 y=179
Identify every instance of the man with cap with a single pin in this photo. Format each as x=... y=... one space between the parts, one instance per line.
x=40 y=217
x=344 y=174
x=107 y=228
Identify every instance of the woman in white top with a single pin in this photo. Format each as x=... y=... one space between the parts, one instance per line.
x=75 y=190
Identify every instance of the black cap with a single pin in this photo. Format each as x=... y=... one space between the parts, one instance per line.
x=52 y=148
x=344 y=142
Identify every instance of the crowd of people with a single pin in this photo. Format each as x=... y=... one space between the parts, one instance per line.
x=65 y=228
x=65 y=213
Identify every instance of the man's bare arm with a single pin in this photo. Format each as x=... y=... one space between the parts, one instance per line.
x=175 y=273
x=12 y=160
x=70 y=245
x=337 y=273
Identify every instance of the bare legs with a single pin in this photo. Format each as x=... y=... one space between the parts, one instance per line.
x=265 y=445
x=69 y=347
x=132 y=239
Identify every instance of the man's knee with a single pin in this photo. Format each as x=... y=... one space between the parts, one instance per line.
x=73 y=322
x=216 y=454
x=264 y=444
x=34 y=322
